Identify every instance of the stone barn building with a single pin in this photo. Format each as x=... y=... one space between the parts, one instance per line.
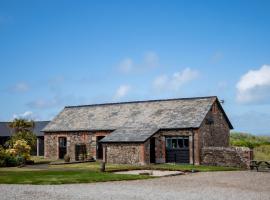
x=139 y=132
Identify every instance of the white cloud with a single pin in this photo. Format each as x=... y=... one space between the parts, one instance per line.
x=26 y=115
x=122 y=91
x=176 y=80
x=151 y=59
x=20 y=87
x=43 y=104
x=254 y=86
x=126 y=65
x=57 y=101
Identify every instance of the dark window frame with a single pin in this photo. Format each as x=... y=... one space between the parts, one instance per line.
x=182 y=140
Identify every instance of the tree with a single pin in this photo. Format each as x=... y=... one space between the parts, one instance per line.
x=23 y=130
x=21 y=125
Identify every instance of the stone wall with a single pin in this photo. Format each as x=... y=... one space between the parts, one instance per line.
x=214 y=130
x=226 y=156
x=124 y=153
x=73 y=138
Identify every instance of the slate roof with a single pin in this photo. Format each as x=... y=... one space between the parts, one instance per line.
x=128 y=134
x=133 y=121
x=5 y=131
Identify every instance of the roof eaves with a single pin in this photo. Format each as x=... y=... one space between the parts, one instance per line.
x=143 y=101
x=226 y=117
x=142 y=141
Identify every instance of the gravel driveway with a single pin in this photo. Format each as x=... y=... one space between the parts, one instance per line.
x=208 y=185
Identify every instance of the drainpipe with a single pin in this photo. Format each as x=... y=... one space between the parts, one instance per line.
x=193 y=154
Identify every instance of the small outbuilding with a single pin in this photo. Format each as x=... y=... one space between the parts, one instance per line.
x=139 y=132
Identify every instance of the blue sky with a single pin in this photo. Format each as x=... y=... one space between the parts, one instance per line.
x=58 y=53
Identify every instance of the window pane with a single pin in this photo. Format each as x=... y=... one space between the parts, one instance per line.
x=168 y=143
x=174 y=143
x=62 y=142
x=180 y=143
x=186 y=142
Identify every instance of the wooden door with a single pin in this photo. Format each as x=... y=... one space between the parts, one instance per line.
x=99 y=148
x=152 y=150
x=177 y=149
x=62 y=145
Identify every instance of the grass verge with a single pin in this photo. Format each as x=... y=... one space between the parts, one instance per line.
x=94 y=166
x=88 y=173
x=40 y=160
x=62 y=177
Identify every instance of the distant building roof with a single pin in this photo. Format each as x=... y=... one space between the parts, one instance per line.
x=6 y=131
x=133 y=121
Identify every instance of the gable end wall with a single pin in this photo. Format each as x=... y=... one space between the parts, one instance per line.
x=216 y=134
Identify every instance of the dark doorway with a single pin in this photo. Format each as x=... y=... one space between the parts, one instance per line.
x=152 y=150
x=62 y=143
x=41 y=145
x=80 y=152
x=99 y=152
x=177 y=149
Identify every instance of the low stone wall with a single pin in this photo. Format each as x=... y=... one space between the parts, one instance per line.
x=226 y=156
x=123 y=153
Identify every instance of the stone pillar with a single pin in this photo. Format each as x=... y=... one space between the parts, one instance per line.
x=163 y=142
x=196 y=148
x=142 y=154
x=37 y=146
x=190 y=138
x=104 y=146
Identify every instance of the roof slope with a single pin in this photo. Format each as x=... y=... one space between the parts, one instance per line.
x=5 y=131
x=130 y=134
x=133 y=121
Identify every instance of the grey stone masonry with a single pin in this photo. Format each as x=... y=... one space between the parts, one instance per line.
x=226 y=156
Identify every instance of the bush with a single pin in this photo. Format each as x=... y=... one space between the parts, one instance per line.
x=3 y=156
x=8 y=159
x=15 y=156
x=67 y=158
x=262 y=153
x=11 y=161
x=21 y=149
x=248 y=140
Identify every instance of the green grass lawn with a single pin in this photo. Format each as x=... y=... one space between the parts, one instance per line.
x=200 y=168
x=87 y=173
x=94 y=166
x=40 y=160
x=62 y=177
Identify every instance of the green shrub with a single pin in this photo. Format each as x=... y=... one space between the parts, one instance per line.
x=20 y=149
x=248 y=140
x=262 y=152
x=11 y=161
x=3 y=156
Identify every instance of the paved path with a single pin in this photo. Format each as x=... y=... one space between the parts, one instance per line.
x=210 y=185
